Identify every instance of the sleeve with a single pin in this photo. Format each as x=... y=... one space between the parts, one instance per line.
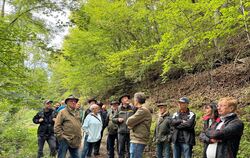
x=36 y=118
x=58 y=125
x=115 y=117
x=175 y=120
x=135 y=119
x=86 y=124
x=233 y=129
x=189 y=124
x=106 y=123
x=203 y=138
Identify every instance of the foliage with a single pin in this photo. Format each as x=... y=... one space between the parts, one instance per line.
x=113 y=43
x=17 y=133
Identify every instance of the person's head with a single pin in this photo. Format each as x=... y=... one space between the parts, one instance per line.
x=139 y=99
x=124 y=99
x=78 y=105
x=63 y=102
x=48 y=104
x=183 y=103
x=104 y=107
x=227 y=105
x=162 y=107
x=114 y=105
x=211 y=110
x=94 y=108
x=92 y=101
x=57 y=105
x=71 y=101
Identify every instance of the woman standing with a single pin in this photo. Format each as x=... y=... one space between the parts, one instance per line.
x=92 y=127
x=210 y=116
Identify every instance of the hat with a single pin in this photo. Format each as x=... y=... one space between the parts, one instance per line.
x=92 y=99
x=161 y=104
x=99 y=103
x=71 y=97
x=114 y=102
x=125 y=95
x=48 y=101
x=184 y=100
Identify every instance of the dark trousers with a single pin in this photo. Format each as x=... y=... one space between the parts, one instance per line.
x=124 y=143
x=97 y=145
x=51 y=140
x=111 y=144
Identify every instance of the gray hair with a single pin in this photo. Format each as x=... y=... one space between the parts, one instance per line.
x=93 y=106
x=140 y=97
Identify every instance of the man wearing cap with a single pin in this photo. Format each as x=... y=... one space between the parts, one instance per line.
x=162 y=134
x=68 y=129
x=139 y=124
x=183 y=136
x=125 y=110
x=45 y=132
x=112 y=129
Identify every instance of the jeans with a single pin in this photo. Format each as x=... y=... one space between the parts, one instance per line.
x=111 y=144
x=63 y=147
x=51 y=140
x=87 y=148
x=163 y=150
x=136 y=150
x=182 y=148
x=124 y=143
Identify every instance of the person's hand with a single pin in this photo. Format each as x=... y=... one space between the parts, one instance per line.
x=214 y=140
x=184 y=121
x=120 y=120
x=40 y=119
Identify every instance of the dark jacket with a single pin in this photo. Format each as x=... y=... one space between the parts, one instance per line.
x=112 y=127
x=46 y=127
x=162 y=129
x=203 y=138
x=229 y=135
x=184 y=130
x=124 y=113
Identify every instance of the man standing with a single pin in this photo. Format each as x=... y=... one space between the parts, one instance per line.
x=123 y=113
x=139 y=124
x=183 y=136
x=224 y=137
x=112 y=129
x=162 y=134
x=68 y=129
x=45 y=119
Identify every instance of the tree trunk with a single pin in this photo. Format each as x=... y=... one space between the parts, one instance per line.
x=245 y=20
x=2 y=11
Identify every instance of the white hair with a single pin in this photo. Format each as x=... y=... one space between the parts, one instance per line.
x=93 y=106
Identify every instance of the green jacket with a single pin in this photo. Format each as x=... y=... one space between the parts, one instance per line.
x=139 y=125
x=124 y=113
x=162 y=129
x=112 y=127
x=68 y=126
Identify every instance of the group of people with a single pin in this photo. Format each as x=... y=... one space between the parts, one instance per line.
x=69 y=128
